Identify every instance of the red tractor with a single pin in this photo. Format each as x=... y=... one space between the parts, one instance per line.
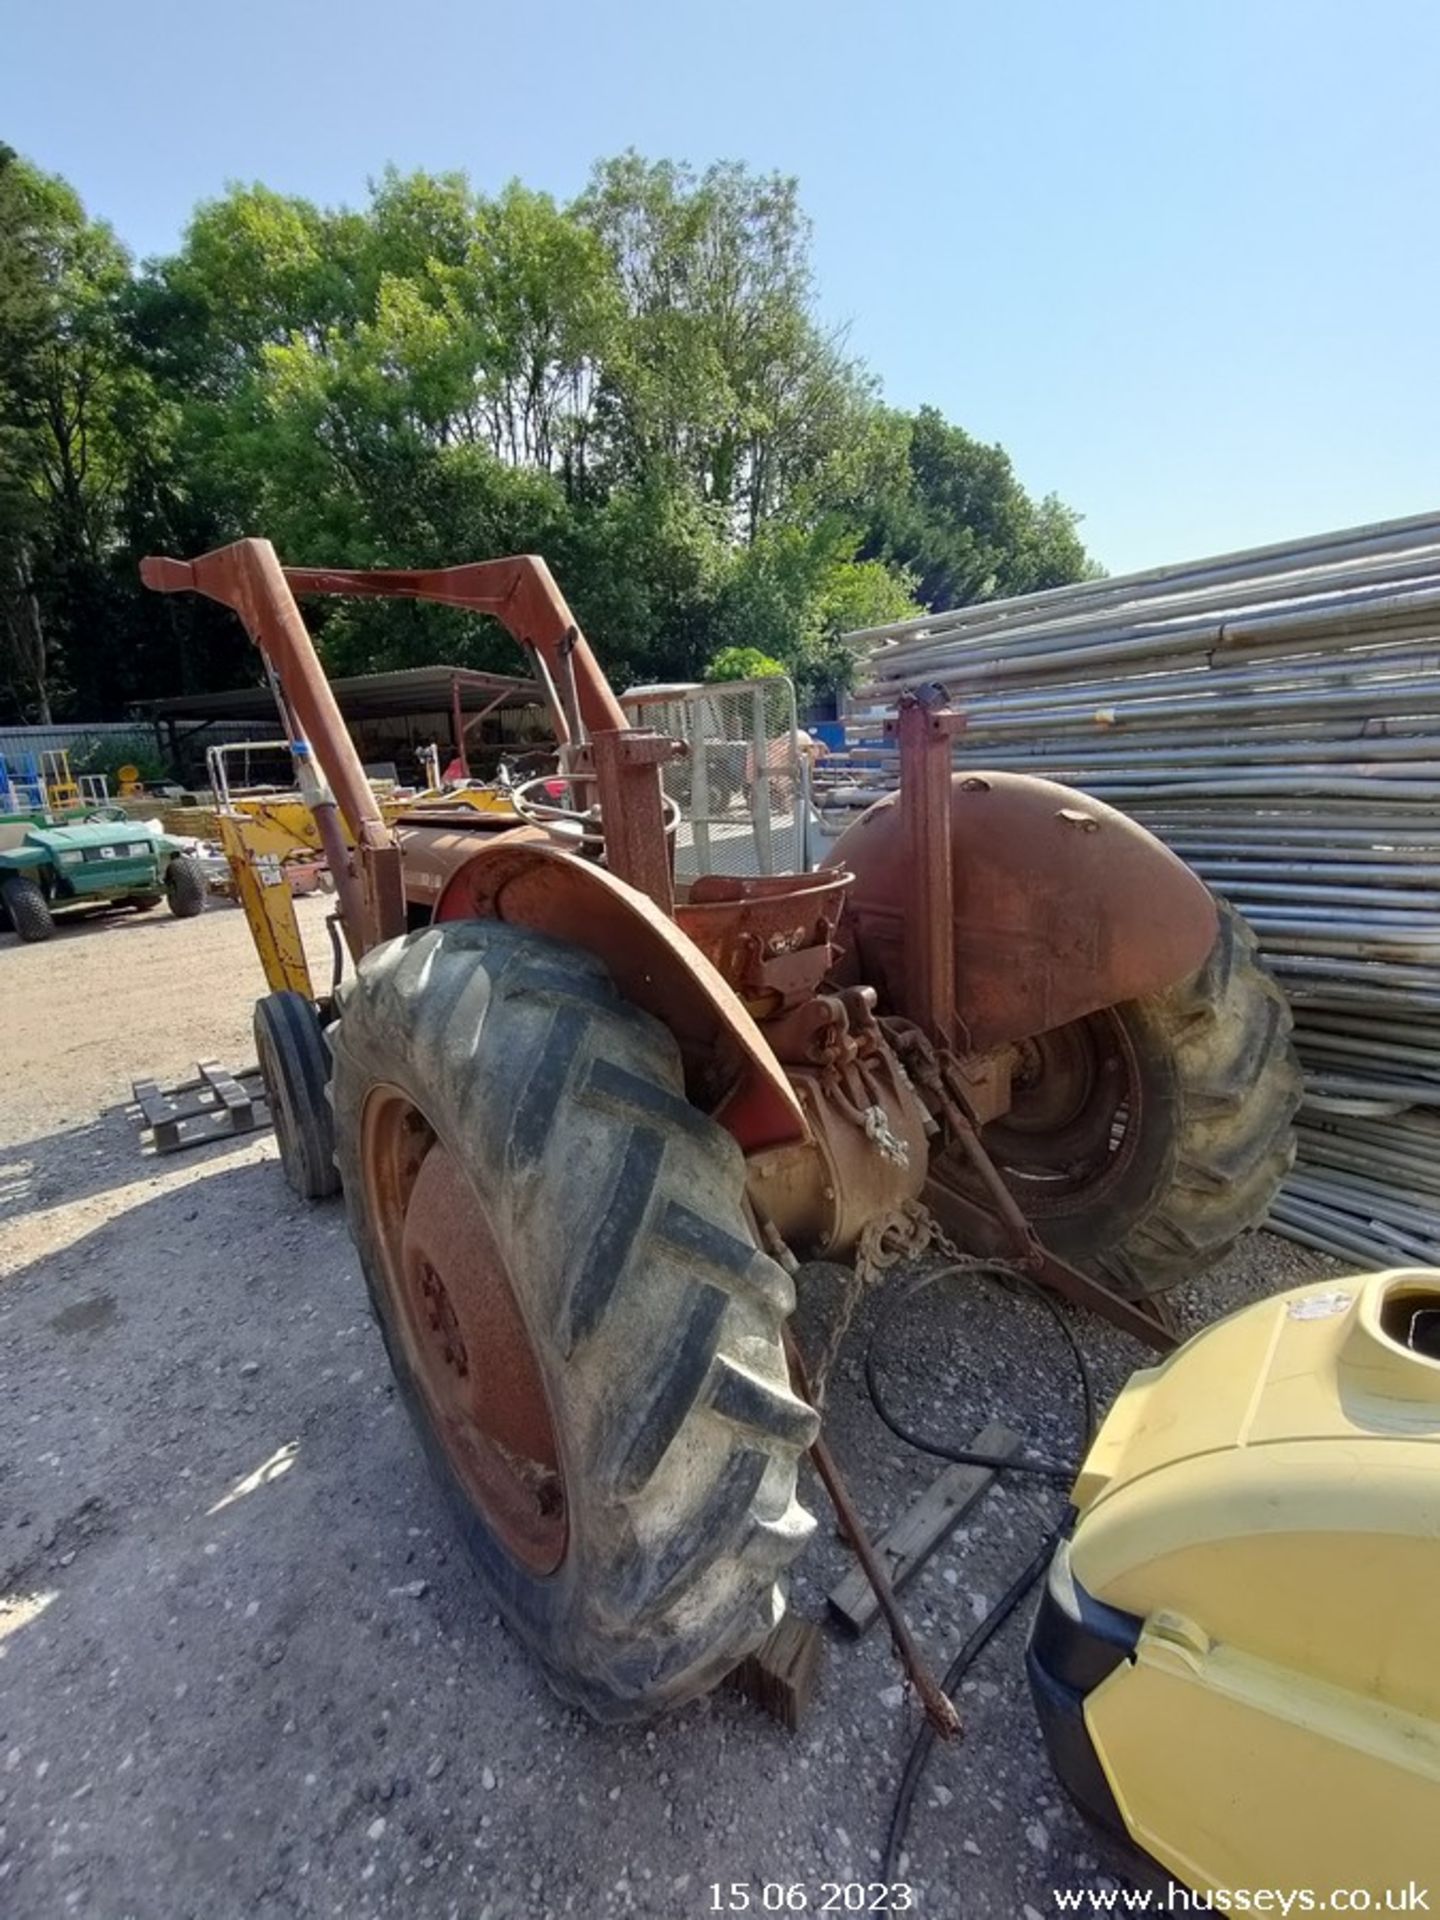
x=590 y=1127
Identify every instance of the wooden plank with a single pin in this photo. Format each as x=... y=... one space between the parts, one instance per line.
x=231 y=1095
x=905 y=1548
x=780 y=1676
x=160 y=1114
x=161 y=1105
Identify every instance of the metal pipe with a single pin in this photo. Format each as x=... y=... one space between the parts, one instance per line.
x=1300 y=628
x=1245 y=564
x=939 y=1708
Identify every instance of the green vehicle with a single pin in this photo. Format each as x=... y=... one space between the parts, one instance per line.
x=96 y=863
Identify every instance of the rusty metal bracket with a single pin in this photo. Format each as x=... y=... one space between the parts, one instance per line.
x=627 y=767
x=925 y=729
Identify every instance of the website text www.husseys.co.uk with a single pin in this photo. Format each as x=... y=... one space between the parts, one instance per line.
x=1411 y=1898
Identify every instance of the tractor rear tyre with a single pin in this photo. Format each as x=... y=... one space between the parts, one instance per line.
x=295 y=1065
x=185 y=887
x=27 y=908
x=1145 y=1139
x=583 y=1329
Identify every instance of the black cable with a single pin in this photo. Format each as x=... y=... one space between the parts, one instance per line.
x=954 y=1673
x=1034 y=1568
x=968 y=1456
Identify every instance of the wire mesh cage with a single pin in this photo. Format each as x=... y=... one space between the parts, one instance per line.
x=741 y=786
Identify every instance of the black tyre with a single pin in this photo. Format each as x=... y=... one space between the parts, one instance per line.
x=1144 y=1140
x=185 y=887
x=587 y=1337
x=295 y=1064
x=27 y=909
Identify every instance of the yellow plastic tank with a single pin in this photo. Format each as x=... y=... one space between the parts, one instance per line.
x=1237 y=1656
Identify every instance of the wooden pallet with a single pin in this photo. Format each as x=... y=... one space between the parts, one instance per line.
x=214 y=1106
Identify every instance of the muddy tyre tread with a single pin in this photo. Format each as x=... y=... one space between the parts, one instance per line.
x=655 y=1319
x=1237 y=1084
x=27 y=909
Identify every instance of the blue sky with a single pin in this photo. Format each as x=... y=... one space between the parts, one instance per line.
x=1180 y=259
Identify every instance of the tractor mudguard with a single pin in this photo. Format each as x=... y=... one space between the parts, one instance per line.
x=1061 y=906
x=730 y=1072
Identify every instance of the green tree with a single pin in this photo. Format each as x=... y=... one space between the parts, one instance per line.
x=950 y=511
x=795 y=590
x=25 y=318
x=638 y=385
x=77 y=416
x=720 y=378
x=256 y=269
x=742 y=663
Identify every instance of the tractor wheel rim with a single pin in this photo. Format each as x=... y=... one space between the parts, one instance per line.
x=466 y=1343
x=1074 y=1126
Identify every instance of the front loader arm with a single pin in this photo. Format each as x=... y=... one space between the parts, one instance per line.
x=521 y=594
x=248 y=577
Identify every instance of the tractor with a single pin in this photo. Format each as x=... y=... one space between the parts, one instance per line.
x=592 y=1128
x=108 y=860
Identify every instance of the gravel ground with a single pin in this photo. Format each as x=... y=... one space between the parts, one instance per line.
x=244 y=1667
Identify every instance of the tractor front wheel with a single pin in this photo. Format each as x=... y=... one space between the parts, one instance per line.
x=27 y=908
x=584 y=1331
x=295 y=1066
x=185 y=887
x=1144 y=1139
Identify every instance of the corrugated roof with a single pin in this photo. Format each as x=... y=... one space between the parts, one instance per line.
x=369 y=696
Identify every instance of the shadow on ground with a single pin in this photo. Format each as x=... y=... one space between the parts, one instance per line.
x=93 y=1157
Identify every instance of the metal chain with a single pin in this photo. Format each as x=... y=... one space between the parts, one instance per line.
x=905 y=1233
x=836 y=1329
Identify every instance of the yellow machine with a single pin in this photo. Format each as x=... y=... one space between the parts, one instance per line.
x=263 y=834
x=1237 y=1659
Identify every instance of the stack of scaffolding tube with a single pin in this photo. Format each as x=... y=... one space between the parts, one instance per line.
x=1274 y=716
